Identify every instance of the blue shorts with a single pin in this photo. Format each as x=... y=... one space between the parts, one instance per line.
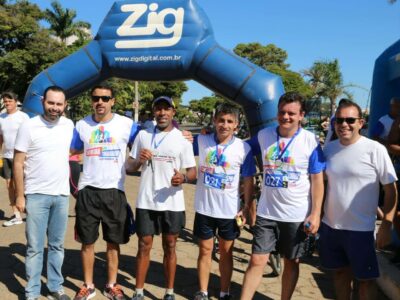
x=206 y=227
x=346 y=248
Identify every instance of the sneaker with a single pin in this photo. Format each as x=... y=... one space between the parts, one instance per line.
x=200 y=296
x=114 y=293
x=31 y=298
x=85 y=293
x=13 y=221
x=60 y=295
x=169 y=297
x=137 y=296
x=226 y=297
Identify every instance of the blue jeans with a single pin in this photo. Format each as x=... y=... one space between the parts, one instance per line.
x=45 y=214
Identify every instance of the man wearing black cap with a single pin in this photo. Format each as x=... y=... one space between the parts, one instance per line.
x=161 y=152
x=10 y=121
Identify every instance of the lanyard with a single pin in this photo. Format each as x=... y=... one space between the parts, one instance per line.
x=219 y=155
x=280 y=154
x=153 y=138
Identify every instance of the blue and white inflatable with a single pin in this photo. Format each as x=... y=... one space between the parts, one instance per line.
x=162 y=40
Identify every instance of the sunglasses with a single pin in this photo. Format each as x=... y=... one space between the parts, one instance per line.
x=103 y=98
x=347 y=120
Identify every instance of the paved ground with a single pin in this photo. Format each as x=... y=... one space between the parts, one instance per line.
x=313 y=283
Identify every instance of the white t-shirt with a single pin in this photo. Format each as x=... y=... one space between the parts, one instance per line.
x=217 y=189
x=46 y=168
x=104 y=154
x=354 y=173
x=9 y=124
x=173 y=152
x=285 y=194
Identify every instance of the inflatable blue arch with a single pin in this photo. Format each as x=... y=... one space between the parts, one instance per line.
x=162 y=40
x=385 y=83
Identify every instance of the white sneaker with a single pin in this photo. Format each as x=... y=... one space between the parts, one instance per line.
x=13 y=221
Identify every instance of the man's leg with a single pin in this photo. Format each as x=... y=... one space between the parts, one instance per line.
x=143 y=259
x=169 y=260
x=37 y=207
x=225 y=263
x=11 y=197
x=204 y=262
x=342 y=280
x=57 y=226
x=253 y=275
x=290 y=277
x=112 y=262
x=87 y=255
x=367 y=289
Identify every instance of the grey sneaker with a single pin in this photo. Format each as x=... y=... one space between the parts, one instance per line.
x=226 y=297
x=31 y=298
x=85 y=293
x=114 y=293
x=59 y=295
x=200 y=296
x=12 y=222
x=137 y=296
x=169 y=297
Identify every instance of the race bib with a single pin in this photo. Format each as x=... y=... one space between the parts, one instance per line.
x=216 y=181
x=276 y=180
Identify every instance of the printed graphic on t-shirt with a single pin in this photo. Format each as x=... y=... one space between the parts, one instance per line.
x=103 y=145
x=216 y=169
x=279 y=168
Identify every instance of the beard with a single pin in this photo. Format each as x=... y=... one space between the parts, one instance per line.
x=52 y=116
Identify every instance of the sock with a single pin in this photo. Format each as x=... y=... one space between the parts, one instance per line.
x=17 y=214
x=139 y=291
x=204 y=292
x=169 y=291
x=89 y=285
x=223 y=294
x=110 y=285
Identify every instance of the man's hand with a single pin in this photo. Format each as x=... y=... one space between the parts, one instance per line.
x=145 y=155
x=240 y=219
x=20 y=204
x=178 y=178
x=188 y=135
x=384 y=237
x=311 y=224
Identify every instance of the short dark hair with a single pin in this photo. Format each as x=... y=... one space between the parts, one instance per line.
x=54 y=88
x=9 y=95
x=348 y=103
x=227 y=108
x=103 y=87
x=292 y=97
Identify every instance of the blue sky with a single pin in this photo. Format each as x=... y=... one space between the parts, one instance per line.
x=353 y=31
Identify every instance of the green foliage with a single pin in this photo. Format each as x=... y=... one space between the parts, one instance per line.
x=203 y=109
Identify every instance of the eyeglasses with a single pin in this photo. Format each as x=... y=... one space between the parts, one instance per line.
x=103 y=98
x=347 y=120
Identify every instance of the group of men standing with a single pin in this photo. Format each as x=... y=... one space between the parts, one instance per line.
x=289 y=207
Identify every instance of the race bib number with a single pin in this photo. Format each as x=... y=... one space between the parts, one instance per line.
x=276 y=180
x=216 y=181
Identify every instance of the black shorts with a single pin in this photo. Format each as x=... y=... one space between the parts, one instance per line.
x=285 y=237
x=106 y=206
x=205 y=228
x=151 y=222
x=7 y=168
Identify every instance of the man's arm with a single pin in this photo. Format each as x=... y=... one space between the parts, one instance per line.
x=18 y=169
x=383 y=237
x=317 y=195
x=134 y=164
x=393 y=143
x=180 y=178
x=249 y=209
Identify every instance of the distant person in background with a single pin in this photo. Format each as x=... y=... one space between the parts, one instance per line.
x=381 y=130
x=10 y=121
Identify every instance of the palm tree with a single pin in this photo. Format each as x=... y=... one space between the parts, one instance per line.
x=62 y=22
x=326 y=81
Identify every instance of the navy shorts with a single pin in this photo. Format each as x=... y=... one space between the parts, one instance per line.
x=151 y=222
x=206 y=227
x=346 y=248
x=287 y=238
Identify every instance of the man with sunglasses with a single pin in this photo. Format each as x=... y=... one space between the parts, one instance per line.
x=103 y=138
x=161 y=152
x=355 y=167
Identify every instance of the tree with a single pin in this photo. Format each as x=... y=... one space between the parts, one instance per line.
x=326 y=81
x=273 y=59
x=62 y=23
x=203 y=108
x=25 y=47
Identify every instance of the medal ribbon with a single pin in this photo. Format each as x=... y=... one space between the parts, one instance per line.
x=280 y=154
x=219 y=156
